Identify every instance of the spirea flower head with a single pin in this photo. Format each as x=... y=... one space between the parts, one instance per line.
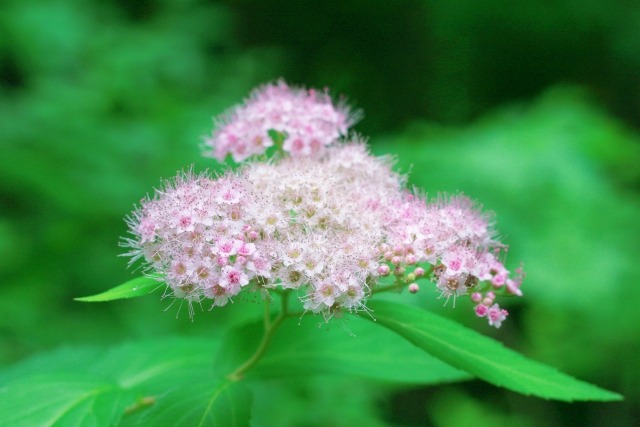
x=193 y=233
x=305 y=224
x=325 y=220
x=308 y=121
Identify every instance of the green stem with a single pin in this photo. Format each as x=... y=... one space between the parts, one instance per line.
x=270 y=327
x=141 y=403
x=397 y=285
x=267 y=314
x=401 y=282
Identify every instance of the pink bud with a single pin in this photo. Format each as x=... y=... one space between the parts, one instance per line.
x=476 y=297
x=498 y=280
x=410 y=259
x=384 y=270
x=414 y=288
x=419 y=272
x=398 y=250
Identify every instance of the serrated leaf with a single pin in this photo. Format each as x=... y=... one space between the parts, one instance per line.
x=133 y=288
x=355 y=348
x=481 y=356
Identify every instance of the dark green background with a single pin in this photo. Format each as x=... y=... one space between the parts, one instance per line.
x=530 y=107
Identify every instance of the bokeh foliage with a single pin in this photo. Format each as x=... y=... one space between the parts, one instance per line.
x=99 y=100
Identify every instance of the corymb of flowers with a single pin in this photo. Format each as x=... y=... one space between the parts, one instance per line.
x=311 y=211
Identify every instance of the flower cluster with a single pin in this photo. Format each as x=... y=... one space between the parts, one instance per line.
x=457 y=240
x=308 y=118
x=196 y=236
x=329 y=221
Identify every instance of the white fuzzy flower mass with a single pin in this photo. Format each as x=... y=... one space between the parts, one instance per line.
x=328 y=224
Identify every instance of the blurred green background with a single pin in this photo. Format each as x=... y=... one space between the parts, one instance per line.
x=531 y=107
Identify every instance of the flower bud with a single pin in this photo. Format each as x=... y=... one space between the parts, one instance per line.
x=476 y=297
x=384 y=270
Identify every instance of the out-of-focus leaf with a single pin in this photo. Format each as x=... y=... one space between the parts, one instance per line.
x=197 y=402
x=64 y=359
x=320 y=400
x=146 y=380
x=482 y=356
x=133 y=288
x=61 y=400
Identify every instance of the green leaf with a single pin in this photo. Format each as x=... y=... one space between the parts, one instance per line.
x=482 y=356
x=60 y=400
x=63 y=359
x=350 y=346
x=133 y=288
x=149 y=381
x=197 y=401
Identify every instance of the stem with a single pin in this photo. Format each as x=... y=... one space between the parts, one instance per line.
x=267 y=314
x=400 y=283
x=270 y=327
x=141 y=403
x=397 y=285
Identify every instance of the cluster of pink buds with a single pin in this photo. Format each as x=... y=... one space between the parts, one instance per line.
x=325 y=218
x=308 y=118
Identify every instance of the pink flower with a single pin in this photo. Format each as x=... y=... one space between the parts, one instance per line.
x=308 y=120
x=259 y=266
x=496 y=315
x=481 y=310
x=233 y=278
